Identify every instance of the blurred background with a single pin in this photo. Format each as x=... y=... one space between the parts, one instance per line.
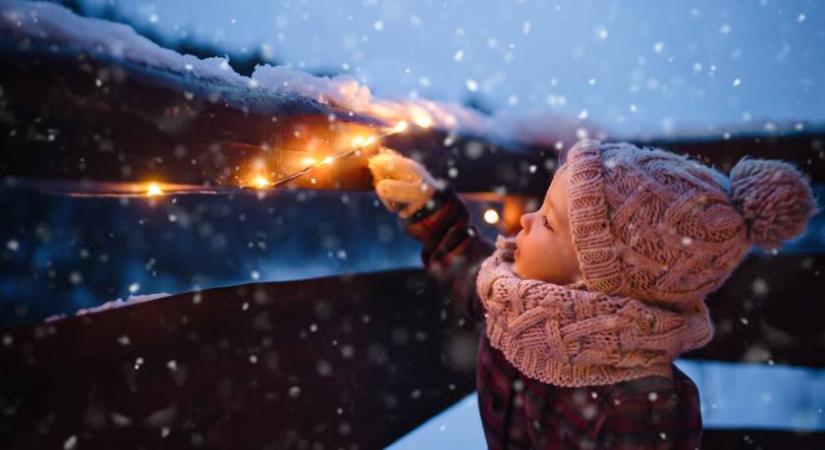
x=635 y=69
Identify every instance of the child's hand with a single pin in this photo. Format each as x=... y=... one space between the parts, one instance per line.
x=403 y=185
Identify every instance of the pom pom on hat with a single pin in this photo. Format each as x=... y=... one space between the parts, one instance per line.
x=773 y=197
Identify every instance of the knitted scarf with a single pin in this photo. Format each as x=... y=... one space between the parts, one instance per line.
x=567 y=336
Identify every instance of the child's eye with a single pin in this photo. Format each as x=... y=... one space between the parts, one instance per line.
x=546 y=222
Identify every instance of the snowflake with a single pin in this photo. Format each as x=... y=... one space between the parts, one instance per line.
x=659 y=47
x=70 y=443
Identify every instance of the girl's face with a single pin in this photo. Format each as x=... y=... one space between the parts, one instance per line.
x=544 y=246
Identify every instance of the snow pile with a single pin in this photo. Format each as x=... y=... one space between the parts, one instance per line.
x=59 y=29
x=113 y=304
x=119 y=303
x=340 y=90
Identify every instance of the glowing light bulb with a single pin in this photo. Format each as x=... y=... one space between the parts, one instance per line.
x=309 y=161
x=400 y=127
x=422 y=120
x=327 y=160
x=358 y=141
x=491 y=216
x=261 y=182
x=369 y=140
x=153 y=189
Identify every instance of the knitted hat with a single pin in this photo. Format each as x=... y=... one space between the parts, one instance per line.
x=657 y=226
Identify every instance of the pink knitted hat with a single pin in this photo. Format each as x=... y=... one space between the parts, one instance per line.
x=657 y=226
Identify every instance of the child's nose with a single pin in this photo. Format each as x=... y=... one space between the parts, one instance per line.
x=524 y=220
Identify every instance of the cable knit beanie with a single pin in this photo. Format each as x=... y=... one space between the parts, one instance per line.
x=657 y=226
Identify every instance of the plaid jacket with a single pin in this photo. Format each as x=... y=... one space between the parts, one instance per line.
x=522 y=413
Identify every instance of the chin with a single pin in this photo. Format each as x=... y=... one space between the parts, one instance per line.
x=516 y=270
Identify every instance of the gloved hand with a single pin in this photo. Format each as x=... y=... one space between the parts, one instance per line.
x=402 y=184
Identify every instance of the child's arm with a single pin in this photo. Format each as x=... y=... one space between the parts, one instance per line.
x=452 y=248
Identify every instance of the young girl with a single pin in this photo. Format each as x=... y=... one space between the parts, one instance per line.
x=604 y=286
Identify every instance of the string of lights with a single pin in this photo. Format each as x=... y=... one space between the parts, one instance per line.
x=359 y=143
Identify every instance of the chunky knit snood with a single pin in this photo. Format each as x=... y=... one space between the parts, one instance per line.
x=568 y=336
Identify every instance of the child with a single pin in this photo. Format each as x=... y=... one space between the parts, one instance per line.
x=586 y=309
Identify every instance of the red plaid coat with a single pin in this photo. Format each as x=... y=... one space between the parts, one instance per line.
x=522 y=413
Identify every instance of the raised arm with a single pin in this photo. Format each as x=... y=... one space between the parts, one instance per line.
x=452 y=248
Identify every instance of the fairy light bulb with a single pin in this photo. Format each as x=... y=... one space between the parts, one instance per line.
x=400 y=127
x=491 y=216
x=153 y=190
x=422 y=120
x=261 y=182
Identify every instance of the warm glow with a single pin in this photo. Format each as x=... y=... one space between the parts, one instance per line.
x=491 y=216
x=327 y=160
x=362 y=141
x=261 y=182
x=153 y=189
x=422 y=119
x=400 y=127
x=309 y=161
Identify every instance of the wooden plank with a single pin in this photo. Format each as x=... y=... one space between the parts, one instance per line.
x=341 y=360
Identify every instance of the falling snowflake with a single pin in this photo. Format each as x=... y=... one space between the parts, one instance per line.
x=70 y=443
x=294 y=391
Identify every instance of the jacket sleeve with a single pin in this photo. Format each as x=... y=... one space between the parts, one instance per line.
x=452 y=248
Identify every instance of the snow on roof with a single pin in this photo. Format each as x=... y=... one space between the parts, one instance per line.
x=63 y=30
x=112 y=304
x=38 y=26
